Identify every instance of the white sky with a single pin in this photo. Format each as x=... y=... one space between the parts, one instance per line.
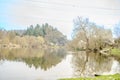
x=60 y=13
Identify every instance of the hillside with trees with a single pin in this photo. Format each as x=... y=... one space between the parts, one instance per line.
x=39 y=36
x=49 y=33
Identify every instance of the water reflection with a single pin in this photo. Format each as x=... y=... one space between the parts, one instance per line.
x=43 y=59
x=31 y=64
x=52 y=64
x=88 y=64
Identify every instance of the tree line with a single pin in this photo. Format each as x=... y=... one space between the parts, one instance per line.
x=35 y=36
x=86 y=36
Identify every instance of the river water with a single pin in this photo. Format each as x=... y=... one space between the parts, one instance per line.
x=53 y=65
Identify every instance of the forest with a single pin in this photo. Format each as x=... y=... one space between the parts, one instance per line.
x=39 y=36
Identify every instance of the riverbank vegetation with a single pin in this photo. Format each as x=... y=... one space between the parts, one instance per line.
x=88 y=36
x=39 y=36
x=115 y=52
x=104 y=77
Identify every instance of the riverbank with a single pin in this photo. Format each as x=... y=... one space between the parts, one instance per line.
x=115 y=52
x=18 y=46
x=103 y=77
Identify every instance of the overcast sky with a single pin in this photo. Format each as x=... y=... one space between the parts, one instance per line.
x=19 y=14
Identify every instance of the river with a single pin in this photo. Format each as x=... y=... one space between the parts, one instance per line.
x=53 y=65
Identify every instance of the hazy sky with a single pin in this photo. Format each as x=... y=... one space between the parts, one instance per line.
x=19 y=14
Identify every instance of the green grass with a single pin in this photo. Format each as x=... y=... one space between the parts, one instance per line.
x=105 y=77
x=115 y=52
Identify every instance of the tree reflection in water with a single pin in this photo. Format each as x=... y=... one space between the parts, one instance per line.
x=88 y=64
x=43 y=59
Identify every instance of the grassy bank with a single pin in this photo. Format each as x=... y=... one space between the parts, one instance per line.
x=105 y=77
x=115 y=52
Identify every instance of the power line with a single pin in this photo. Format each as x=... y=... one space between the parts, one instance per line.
x=74 y=8
x=55 y=3
x=42 y=18
x=69 y=6
x=72 y=5
x=53 y=20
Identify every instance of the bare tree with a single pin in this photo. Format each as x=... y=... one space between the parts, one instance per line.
x=82 y=29
x=91 y=34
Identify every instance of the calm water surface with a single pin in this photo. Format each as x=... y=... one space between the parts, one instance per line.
x=51 y=65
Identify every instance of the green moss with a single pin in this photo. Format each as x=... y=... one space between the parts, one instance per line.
x=104 y=77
